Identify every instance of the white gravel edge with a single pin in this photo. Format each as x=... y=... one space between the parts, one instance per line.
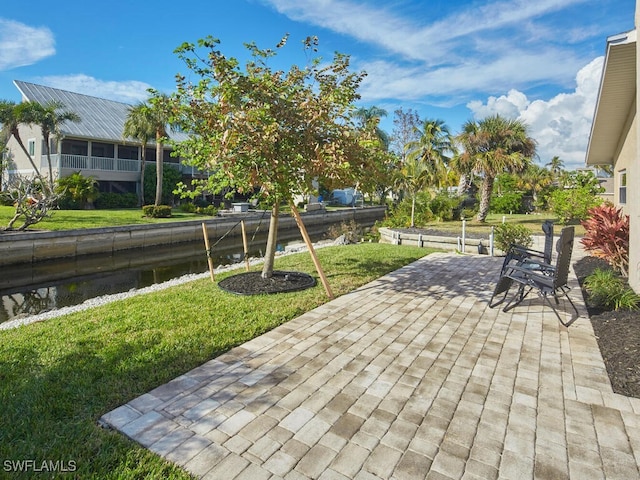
x=105 y=299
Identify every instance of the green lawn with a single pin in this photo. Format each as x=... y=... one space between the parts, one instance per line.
x=71 y=219
x=58 y=377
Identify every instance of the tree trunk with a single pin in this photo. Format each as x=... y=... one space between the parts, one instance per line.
x=159 y=155
x=143 y=163
x=462 y=185
x=413 y=211
x=485 y=198
x=272 y=241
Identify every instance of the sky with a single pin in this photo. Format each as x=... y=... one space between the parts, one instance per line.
x=538 y=61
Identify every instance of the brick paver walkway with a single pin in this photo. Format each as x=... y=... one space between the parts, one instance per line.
x=411 y=376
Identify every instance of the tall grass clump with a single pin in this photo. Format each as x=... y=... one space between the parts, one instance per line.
x=609 y=291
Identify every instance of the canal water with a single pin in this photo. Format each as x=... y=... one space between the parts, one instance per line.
x=39 y=287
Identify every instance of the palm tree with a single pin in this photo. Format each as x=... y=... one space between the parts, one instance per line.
x=535 y=179
x=432 y=148
x=413 y=177
x=12 y=115
x=139 y=125
x=491 y=146
x=371 y=117
x=50 y=117
x=158 y=119
x=556 y=167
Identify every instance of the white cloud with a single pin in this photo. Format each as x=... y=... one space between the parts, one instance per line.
x=128 y=91
x=435 y=42
x=22 y=45
x=561 y=125
x=516 y=69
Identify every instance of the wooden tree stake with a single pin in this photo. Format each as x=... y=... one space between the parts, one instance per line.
x=314 y=257
x=206 y=245
x=246 y=247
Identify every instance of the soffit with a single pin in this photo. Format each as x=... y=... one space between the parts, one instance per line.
x=615 y=100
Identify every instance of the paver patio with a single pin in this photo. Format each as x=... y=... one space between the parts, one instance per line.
x=411 y=376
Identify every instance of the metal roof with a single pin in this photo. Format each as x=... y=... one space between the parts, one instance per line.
x=100 y=119
x=616 y=99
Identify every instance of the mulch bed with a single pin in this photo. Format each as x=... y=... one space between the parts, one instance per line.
x=618 y=335
x=252 y=283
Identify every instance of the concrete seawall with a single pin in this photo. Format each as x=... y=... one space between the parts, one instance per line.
x=449 y=243
x=29 y=247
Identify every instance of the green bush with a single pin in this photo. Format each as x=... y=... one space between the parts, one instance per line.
x=506 y=233
x=573 y=204
x=510 y=202
x=399 y=216
x=116 y=200
x=608 y=290
x=170 y=177
x=188 y=207
x=159 y=211
x=208 y=210
x=76 y=191
x=445 y=207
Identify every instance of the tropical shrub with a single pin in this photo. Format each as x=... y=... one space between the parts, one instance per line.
x=506 y=234
x=400 y=214
x=157 y=211
x=76 y=191
x=110 y=200
x=208 y=210
x=607 y=236
x=573 y=204
x=188 y=207
x=445 y=207
x=508 y=202
x=608 y=290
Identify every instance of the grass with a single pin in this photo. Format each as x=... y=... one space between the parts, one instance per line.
x=72 y=219
x=58 y=377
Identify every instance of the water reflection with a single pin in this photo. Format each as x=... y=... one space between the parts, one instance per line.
x=35 y=288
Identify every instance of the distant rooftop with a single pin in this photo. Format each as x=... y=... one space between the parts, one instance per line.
x=100 y=119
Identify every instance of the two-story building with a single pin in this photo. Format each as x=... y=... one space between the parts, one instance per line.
x=94 y=146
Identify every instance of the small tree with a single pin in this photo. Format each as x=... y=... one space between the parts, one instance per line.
x=276 y=130
x=139 y=125
x=32 y=199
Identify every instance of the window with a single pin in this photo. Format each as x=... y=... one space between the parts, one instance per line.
x=623 y=188
x=31 y=146
x=75 y=147
x=126 y=152
x=104 y=150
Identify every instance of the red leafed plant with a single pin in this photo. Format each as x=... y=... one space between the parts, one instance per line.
x=607 y=236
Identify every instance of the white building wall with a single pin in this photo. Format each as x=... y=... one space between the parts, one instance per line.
x=633 y=186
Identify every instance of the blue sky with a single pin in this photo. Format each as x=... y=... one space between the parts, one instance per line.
x=539 y=61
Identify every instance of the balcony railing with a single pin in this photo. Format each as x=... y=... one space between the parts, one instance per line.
x=82 y=162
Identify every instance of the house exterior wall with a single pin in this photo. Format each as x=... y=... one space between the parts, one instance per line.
x=18 y=161
x=633 y=182
x=625 y=159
